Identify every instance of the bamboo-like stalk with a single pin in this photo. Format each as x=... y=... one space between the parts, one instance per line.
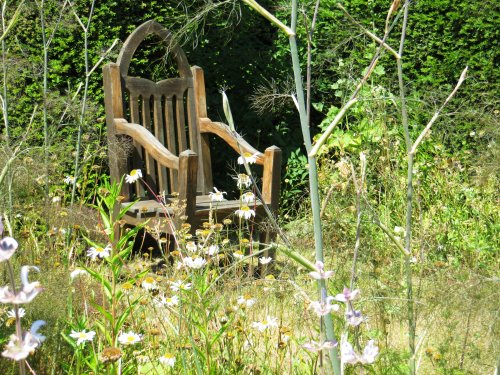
x=83 y=109
x=411 y=152
x=313 y=183
x=5 y=112
x=44 y=97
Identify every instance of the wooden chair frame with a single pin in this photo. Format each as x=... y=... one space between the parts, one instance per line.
x=171 y=158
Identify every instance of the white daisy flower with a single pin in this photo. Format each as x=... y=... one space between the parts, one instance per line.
x=100 y=252
x=248 y=197
x=149 y=283
x=197 y=263
x=135 y=175
x=243 y=181
x=265 y=260
x=129 y=338
x=12 y=313
x=218 y=196
x=69 y=180
x=238 y=255
x=167 y=301
x=82 y=336
x=314 y=346
x=212 y=250
x=248 y=157
x=179 y=285
x=245 y=212
x=167 y=359
x=191 y=246
x=246 y=301
x=77 y=272
x=267 y=324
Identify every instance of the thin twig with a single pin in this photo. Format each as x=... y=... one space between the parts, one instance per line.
x=370 y=34
x=438 y=112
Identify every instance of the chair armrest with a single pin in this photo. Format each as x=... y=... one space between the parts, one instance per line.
x=147 y=140
x=233 y=139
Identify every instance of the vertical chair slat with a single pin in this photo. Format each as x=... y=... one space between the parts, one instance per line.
x=200 y=102
x=181 y=123
x=135 y=118
x=160 y=134
x=171 y=145
x=188 y=171
x=271 y=181
x=113 y=100
x=149 y=161
x=195 y=137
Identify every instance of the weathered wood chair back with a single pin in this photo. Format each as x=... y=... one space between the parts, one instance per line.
x=168 y=109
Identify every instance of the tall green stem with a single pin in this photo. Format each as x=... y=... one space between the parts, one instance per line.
x=409 y=200
x=5 y=100
x=313 y=181
x=44 y=95
x=84 y=100
x=408 y=269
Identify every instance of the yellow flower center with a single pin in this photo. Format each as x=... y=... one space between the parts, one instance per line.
x=133 y=172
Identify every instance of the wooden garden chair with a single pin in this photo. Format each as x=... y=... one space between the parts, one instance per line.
x=168 y=126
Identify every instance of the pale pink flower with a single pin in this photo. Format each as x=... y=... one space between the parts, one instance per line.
x=322 y=308
x=348 y=355
x=28 y=290
x=320 y=273
x=315 y=346
x=8 y=246
x=347 y=295
x=19 y=348
x=354 y=317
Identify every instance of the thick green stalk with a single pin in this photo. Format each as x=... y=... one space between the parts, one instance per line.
x=44 y=97
x=409 y=200
x=313 y=181
x=408 y=269
x=5 y=99
x=84 y=100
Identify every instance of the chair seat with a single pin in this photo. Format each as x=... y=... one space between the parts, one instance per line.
x=151 y=209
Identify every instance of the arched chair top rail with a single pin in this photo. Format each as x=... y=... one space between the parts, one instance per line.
x=139 y=34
